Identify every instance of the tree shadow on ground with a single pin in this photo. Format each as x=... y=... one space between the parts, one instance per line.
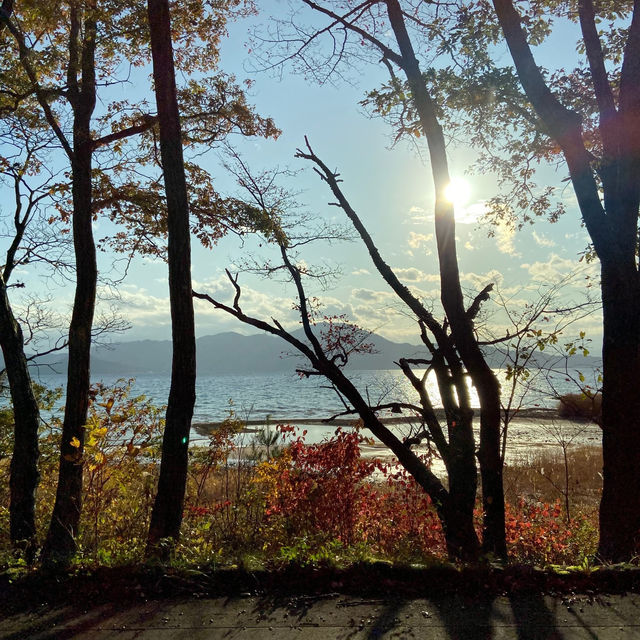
x=485 y=616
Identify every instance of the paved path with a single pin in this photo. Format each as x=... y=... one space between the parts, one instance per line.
x=521 y=617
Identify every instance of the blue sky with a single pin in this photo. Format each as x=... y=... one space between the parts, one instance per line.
x=392 y=192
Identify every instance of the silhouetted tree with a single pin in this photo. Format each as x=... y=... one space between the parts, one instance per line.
x=167 y=510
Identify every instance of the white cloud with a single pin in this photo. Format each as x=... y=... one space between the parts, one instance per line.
x=504 y=234
x=361 y=272
x=556 y=269
x=369 y=295
x=411 y=274
x=478 y=281
x=417 y=240
x=543 y=241
x=418 y=215
x=471 y=213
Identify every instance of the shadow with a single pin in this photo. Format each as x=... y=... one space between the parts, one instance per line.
x=452 y=616
x=534 y=620
x=466 y=617
x=48 y=624
x=388 y=620
x=372 y=618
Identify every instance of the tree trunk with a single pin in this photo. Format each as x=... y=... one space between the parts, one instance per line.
x=167 y=510
x=26 y=414
x=60 y=544
x=620 y=505
x=463 y=482
x=452 y=300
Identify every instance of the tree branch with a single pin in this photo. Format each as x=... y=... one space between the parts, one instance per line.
x=562 y=124
x=387 y=52
x=601 y=86
x=428 y=414
x=237 y=312
x=483 y=296
x=146 y=124
x=31 y=74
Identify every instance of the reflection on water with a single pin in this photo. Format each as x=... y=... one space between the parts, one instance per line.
x=279 y=397
x=285 y=396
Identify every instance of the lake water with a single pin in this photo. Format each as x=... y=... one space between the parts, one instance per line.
x=285 y=398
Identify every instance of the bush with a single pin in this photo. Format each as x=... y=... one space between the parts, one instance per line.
x=537 y=533
x=305 y=503
x=580 y=405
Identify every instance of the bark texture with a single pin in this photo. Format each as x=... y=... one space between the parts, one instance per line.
x=612 y=223
x=167 y=510
x=26 y=414
x=60 y=543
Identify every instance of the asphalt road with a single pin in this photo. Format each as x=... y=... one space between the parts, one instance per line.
x=479 y=617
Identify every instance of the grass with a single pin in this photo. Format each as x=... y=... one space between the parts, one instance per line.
x=541 y=476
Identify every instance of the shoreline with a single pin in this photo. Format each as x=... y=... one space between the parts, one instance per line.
x=546 y=416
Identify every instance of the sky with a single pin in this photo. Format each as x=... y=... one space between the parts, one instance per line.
x=391 y=190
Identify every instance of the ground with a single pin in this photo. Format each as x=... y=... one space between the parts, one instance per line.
x=363 y=602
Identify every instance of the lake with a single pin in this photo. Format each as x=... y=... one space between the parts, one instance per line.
x=285 y=397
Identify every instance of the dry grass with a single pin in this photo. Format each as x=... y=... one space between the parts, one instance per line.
x=541 y=476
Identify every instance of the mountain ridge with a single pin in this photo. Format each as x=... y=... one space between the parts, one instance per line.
x=230 y=352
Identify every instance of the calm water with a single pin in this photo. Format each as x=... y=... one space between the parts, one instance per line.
x=284 y=396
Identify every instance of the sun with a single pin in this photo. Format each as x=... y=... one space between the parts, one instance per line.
x=458 y=192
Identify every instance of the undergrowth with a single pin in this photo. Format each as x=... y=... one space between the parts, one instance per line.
x=268 y=507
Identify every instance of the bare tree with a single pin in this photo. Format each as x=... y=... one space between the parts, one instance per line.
x=381 y=25
x=455 y=442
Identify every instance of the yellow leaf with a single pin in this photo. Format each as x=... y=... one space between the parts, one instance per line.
x=75 y=442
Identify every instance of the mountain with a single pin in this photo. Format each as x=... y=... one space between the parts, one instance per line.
x=234 y=353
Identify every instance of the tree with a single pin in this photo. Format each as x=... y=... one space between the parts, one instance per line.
x=327 y=348
x=381 y=24
x=167 y=510
x=605 y=174
x=24 y=475
x=64 y=56
x=589 y=118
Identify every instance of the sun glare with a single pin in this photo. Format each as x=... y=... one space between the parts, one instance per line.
x=458 y=192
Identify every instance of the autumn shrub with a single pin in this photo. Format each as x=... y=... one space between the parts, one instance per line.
x=539 y=534
x=399 y=521
x=122 y=447
x=315 y=491
x=580 y=405
x=319 y=503
x=224 y=509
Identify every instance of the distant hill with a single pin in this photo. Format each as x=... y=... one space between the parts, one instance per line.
x=232 y=352
x=235 y=353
